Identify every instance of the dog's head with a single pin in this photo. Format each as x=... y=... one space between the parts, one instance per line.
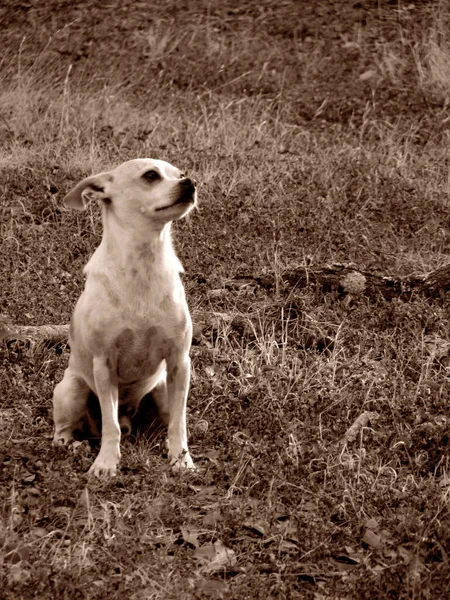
x=153 y=189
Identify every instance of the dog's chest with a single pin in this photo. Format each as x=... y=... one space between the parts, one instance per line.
x=137 y=353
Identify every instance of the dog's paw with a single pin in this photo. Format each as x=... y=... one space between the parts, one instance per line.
x=62 y=439
x=104 y=466
x=181 y=461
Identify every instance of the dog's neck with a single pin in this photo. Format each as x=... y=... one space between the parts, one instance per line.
x=135 y=255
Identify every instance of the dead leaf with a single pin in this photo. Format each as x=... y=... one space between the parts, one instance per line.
x=214 y=588
x=437 y=346
x=84 y=498
x=415 y=569
x=367 y=75
x=444 y=481
x=345 y=562
x=38 y=532
x=288 y=547
x=212 y=518
x=190 y=536
x=373 y=540
x=309 y=506
x=28 y=478
x=209 y=370
x=404 y=553
x=204 y=490
x=17 y=555
x=211 y=455
x=372 y=523
x=217 y=293
x=215 y=557
x=18 y=574
x=197 y=330
x=256 y=527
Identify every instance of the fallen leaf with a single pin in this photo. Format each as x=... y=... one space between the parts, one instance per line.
x=84 y=498
x=372 y=523
x=197 y=330
x=211 y=455
x=444 y=481
x=217 y=293
x=18 y=554
x=345 y=562
x=256 y=527
x=404 y=553
x=212 y=518
x=309 y=506
x=415 y=569
x=372 y=539
x=39 y=532
x=288 y=547
x=190 y=536
x=367 y=75
x=209 y=371
x=18 y=574
x=28 y=478
x=204 y=490
x=214 y=588
x=215 y=557
x=437 y=346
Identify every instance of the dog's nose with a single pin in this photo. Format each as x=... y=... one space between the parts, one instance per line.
x=187 y=187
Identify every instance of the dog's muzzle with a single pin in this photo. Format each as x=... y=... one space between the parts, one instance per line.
x=187 y=193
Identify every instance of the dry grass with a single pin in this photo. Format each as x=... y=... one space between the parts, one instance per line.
x=301 y=159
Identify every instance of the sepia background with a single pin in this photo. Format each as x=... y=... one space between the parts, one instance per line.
x=318 y=133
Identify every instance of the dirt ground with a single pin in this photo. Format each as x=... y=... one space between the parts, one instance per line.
x=318 y=418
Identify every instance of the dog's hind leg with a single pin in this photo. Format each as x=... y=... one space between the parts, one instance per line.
x=69 y=405
x=161 y=400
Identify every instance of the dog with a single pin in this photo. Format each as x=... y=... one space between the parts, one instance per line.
x=130 y=332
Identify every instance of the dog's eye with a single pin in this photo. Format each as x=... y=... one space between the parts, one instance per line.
x=151 y=175
x=182 y=175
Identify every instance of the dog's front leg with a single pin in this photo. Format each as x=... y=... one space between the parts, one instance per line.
x=178 y=377
x=108 y=395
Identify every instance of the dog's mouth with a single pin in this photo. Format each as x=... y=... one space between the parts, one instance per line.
x=188 y=196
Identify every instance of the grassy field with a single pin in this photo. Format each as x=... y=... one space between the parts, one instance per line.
x=319 y=133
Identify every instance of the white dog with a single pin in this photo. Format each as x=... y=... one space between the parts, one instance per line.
x=131 y=330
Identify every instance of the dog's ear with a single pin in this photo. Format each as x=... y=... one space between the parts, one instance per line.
x=91 y=188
